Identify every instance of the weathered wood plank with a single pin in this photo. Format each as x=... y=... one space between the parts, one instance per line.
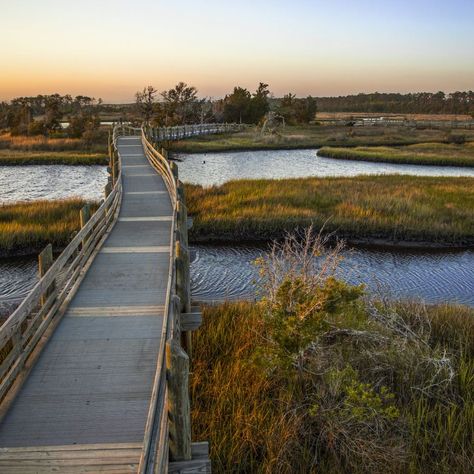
x=191 y=321
x=177 y=364
x=199 y=466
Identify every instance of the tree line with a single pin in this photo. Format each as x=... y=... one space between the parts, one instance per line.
x=413 y=103
x=42 y=115
x=181 y=105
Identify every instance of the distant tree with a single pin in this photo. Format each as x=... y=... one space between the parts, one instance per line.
x=305 y=110
x=146 y=102
x=53 y=112
x=20 y=116
x=237 y=106
x=419 y=102
x=4 y=112
x=180 y=105
x=295 y=110
x=259 y=105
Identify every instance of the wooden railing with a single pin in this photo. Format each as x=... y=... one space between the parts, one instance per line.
x=162 y=134
x=167 y=432
x=168 y=429
x=25 y=332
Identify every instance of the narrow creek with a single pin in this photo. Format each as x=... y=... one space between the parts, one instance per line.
x=228 y=272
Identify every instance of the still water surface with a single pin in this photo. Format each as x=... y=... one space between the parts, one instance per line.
x=221 y=272
x=208 y=169
x=28 y=183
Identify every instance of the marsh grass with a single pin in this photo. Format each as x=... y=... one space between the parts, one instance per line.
x=315 y=377
x=27 y=227
x=17 y=158
x=375 y=209
x=438 y=154
x=258 y=422
x=40 y=143
x=312 y=136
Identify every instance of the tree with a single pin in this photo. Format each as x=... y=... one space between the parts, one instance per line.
x=20 y=116
x=145 y=102
x=297 y=110
x=305 y=110
x=180 y=105
x=259 y=104
x=237 y=106
x=4 y=112
x=53 y=112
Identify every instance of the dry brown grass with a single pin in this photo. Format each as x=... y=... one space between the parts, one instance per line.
x=389 y=208
x=348 y=115
x=27 y=227
x=439 y=154
x=316 y=377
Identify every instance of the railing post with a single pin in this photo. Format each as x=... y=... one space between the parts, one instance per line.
x=177 y=364
x=85 y=215
x=174 y=170
x=108 y=187
x=182 y=276
x=45 y=260
x=115 y=167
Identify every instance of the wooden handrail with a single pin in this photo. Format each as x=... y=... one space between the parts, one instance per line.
x=22 y=334
x=43 y=307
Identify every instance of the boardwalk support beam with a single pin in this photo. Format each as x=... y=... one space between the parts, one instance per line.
x=177 y=364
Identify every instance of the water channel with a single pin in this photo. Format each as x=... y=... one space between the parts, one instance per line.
x=228 y=272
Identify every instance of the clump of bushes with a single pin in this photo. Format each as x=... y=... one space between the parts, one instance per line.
x=455 y=138
x=315 y=377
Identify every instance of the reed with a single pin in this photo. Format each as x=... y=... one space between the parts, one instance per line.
x=316 y=377
x=313 y=136
x=27 y=227
x=19 y=158
x=390 y=209
x=438 y=154
x=42 y=143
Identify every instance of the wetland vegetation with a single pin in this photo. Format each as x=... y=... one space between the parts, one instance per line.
x=439 y=154
x=27 y=227
x=316 y=377
x=389 y=209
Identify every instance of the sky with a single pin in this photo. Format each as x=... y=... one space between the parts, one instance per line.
x=113 y=48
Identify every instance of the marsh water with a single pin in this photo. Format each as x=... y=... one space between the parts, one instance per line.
x=208 y=169
x=228 y=272
x=33 y=182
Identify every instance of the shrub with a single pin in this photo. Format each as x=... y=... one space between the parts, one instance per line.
x=298 y=383
x=455 y=139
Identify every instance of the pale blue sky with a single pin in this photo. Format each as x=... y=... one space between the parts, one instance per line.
x=113 y=48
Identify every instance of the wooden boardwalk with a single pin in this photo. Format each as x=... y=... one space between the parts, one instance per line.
x=84 y=405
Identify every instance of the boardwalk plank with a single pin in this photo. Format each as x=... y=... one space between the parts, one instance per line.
x=93 y=381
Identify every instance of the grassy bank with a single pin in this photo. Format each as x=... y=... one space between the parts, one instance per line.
x=366 y=397
x=17 y=158
x=373 y=209
x=44 y=144
x=27 y=227
x=421 y=154
x=313 y=136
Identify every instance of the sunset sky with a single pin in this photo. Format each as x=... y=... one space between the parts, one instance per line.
x=112 y=48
